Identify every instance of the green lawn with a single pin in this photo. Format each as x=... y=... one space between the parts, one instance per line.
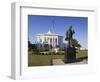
x=44 y=60
x=38 y=60
x=82 y=53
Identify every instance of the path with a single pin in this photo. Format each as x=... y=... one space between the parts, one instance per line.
x=61 y=62
x=58 y=62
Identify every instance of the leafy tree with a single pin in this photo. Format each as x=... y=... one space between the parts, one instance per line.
x=29 y=45
x=34 y=46
x=75 y=43
x=79 y=46
x=46 y=47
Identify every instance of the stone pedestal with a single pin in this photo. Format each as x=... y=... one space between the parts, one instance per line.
x=70 y=54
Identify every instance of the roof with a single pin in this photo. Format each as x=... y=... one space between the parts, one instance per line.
x=49 y=33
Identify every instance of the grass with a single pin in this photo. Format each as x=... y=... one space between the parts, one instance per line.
x=38 y=60
x=82 y=53
x=45 y=60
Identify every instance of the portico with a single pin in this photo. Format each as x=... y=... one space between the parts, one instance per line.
x=52 y=39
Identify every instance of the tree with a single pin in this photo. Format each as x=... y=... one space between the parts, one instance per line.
x=29 y=45
x=34 y=46
x=46 y=47
x=79 y=46
x=75 y=43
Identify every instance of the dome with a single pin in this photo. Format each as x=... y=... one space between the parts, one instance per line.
x=49 y=32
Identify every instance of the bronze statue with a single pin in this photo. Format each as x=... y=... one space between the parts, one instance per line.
x=70 y=51
x=69 y=35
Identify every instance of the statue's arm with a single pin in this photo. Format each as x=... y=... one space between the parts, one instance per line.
x=73 y=31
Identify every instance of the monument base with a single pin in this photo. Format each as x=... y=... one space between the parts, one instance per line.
x=70 y=55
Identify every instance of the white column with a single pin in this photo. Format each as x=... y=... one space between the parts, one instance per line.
x=49 y=42
x=57 y=41
x=53 y=41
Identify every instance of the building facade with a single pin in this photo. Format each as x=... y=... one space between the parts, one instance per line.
x=52 y=39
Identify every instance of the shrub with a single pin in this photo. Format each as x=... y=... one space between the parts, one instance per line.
x=53 y=53
x=46 y=54
x=61 y=49
x=42 y=53
x=49 y=53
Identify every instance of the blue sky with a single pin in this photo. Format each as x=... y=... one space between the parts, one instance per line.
x=59 y=24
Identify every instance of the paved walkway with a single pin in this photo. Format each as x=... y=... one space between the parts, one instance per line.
x=58 y=62
x=61 y=62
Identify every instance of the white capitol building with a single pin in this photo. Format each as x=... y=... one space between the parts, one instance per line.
x=50 y=38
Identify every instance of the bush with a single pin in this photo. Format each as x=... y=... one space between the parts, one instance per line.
x=53 y=53
x=49 y=53
x=42 y=53
x=61 y=49
x=38 y=53
x=62 y=53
